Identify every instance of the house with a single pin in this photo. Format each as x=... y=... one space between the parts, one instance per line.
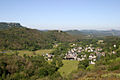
x=79 y=51
x=92 y=56
x=83 y=56
x=73 y=44
x=49 y=56
x=103 y=53
x=99 y=49
x=92 y=59
x=91 y=62
x=114 y=46
x=100 y=41
x=80 y=59
x=71 y=56
x=89 y=51
x=113 y=52
x=72 y=50
x=79 y=48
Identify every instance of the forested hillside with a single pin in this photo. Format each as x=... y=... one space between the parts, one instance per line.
x=60 y=36
x=95 y=33
x=18 y=38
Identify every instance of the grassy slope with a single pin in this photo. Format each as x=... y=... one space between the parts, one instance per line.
x=30 y=53
x=38 y=52
x=68 y=67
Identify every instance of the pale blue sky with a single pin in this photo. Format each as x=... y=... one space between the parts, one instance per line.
x=62 y=14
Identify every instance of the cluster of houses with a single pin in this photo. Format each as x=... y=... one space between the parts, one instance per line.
x=82 y=53
x=79 y=53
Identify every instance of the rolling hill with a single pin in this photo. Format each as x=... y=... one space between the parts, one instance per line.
x=94 y=33
x=19 y=37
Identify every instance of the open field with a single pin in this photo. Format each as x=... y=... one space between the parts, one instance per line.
x=30 y=53
x=38 y=52
x=68 y=67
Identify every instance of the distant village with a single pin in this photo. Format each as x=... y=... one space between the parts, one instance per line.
x=82 y=53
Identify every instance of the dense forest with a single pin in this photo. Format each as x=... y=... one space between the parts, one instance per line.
x=14 y=67
x=17 y=37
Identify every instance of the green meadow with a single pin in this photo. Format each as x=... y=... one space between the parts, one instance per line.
x=30 y=53
x=38 y=52
x=68 y=67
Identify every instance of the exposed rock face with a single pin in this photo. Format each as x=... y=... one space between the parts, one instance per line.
x=4 y=25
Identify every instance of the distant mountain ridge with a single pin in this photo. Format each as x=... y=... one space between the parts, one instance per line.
x=95 y=33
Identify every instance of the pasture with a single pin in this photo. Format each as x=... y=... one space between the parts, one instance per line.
x=29 y=53
x=68 y=67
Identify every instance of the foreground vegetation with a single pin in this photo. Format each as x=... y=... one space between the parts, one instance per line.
x=14 y=67
x=105 y=69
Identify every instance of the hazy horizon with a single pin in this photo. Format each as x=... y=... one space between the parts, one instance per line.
x=62 y=14
x=61 y=29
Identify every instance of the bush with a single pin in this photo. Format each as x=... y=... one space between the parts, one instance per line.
x=83 y=64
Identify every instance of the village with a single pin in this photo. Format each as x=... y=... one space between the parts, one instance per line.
x=81 y=53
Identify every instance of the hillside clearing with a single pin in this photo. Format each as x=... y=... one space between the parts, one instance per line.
x=38 y=52
x=29 y=53
x=68 y=67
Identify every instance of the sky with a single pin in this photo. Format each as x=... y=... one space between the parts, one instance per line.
x=62 y=14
